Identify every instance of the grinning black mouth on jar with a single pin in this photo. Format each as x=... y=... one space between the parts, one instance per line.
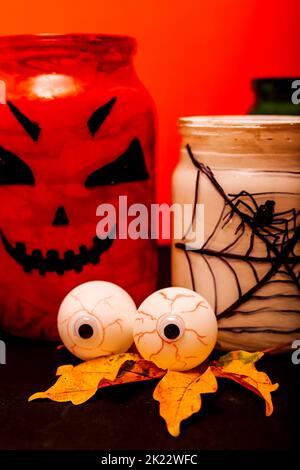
x=52 y=261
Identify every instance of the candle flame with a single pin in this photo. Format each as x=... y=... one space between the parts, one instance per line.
x=50 y=86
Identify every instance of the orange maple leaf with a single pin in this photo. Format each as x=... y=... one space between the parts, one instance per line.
x=240 y=367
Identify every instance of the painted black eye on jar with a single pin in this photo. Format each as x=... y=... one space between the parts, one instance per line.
x=170 y=327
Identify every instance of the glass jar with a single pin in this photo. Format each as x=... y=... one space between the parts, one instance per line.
x=77 y=131
x=245 y=171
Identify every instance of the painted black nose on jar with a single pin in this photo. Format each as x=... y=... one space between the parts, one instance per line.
x=60 y=217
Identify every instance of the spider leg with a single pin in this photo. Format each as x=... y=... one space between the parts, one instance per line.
x=243 y=203
x=275 y=236
x=287 y=231
x=251 y=245
x=231 y=213
x=292 y=219
x=253 y=200
x=245 y=193
x=227 y=216
x=295 y=215
x=236 y=196
x=290 y=211
x=285 y=237
x=276 y=221
x=280 y=221
x=241 y=226
x=284 y=232
x=268 y=251
x=270 y=234
x=277 y=229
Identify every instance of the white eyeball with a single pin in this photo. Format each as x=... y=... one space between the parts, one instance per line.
x=96 y=319
x=175 y=328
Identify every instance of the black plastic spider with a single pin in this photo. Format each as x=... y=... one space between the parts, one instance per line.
x=262 y=217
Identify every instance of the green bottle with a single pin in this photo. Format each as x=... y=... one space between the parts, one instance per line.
x=274 y=96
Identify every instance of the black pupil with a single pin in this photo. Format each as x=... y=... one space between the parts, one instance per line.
x=85 y=331
x=171 y=331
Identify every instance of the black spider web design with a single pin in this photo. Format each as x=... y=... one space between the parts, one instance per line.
x=279 y=237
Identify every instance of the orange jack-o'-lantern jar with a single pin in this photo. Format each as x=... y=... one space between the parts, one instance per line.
x=76 y=131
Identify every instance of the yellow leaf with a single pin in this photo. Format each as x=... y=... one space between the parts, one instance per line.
x=64 y=369
x=179 y=395
x=240 y=367
x=79 y=383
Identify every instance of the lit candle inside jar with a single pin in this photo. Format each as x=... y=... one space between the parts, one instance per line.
x=77 y=132
x=50 y=86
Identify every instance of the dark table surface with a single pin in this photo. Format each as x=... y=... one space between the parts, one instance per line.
x=127 y=417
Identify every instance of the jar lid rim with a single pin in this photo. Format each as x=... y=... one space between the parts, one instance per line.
x=238 y=121
x=23 y=40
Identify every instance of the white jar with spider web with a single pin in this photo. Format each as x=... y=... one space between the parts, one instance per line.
x=245 y=171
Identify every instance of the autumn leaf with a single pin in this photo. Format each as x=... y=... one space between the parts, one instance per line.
x=79 y=383
x=179 y=395
x=240 y=367
x=134 y=371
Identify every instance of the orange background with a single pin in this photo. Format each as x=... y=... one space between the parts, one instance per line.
x=195 y=56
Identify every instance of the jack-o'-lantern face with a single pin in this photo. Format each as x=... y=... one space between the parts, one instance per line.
x=60 y=159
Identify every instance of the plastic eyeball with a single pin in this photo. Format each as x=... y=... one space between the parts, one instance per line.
x=175 y=328
x=96 y=319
